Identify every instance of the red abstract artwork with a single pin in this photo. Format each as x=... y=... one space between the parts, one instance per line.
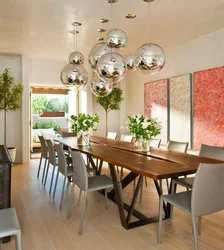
x=155 y=104
x=209 y=107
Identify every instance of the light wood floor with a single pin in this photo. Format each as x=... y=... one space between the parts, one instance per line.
x=44 y=227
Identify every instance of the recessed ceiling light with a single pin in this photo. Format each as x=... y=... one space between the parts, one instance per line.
x=101 y=30
x=74 y=32
x=130 y=16
x=100 y=39
x=104 y=20
x=112 y=1
x=76 y=24
x=148 y=1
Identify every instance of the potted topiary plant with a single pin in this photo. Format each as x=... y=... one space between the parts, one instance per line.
x=111 y=102
x=10 y=95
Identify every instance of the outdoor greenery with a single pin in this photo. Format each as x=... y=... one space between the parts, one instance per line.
x=10 y=95
x=111 y=102
x=142 y=127
x=40 y=104
x=46 y=124
x=83 y=122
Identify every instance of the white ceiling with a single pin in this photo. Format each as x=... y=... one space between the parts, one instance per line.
x=40 y=28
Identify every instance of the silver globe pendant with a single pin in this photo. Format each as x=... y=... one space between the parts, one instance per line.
x=96 y=52
x=74 y=75
x=111 y=67
x=150 y=58
x=131 y=63
x=76 y=57
x=99 y=87
x=116 y=39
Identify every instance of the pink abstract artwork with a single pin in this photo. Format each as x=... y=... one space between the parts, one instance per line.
x=155 y=104
x=209 y=107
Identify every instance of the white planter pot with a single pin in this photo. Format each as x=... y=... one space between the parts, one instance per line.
x=12 y=152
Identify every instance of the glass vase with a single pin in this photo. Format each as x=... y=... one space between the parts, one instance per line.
x=137 y=146
x=83 y=138
x=145 y=145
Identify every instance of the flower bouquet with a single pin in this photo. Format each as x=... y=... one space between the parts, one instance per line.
x=143 y=130
x=82 y=124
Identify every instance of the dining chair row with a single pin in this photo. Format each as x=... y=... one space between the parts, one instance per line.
x=72 y=165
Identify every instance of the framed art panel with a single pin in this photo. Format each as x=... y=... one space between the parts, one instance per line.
x=155 y=104
x=209 y=107
x=180 y=108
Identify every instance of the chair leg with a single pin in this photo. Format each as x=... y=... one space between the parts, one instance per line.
x=106 y=200
x=199 y=225
x=195 y=233
x=45 y=163
x=38 y=172
x=160 y=219
x=45 y=181
x=18 y=241
x=134 y=185
x=83 y=211
x=161 y=186
x=56 y=181
x=167 y=185
x=117 y=170
x=146 y=183
x=173 y=187
x=121 y=174
x=70 y=201
x=62 y=193
x=52 y=178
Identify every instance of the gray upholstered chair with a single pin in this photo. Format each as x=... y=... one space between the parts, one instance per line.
x=53 y=160
x=127 y=138
x=86 y=183
x=154 y=143
x=112 y=135
x=64 y=167
x=206 y=151
x=9 y=225
x=44 y=155
x=178 y=147
x=206 y=197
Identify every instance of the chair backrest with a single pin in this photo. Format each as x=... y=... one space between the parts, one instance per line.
x=212 y=152
x=207 y=192
x=51 y=150
x=111 y=135
x=68 y=134
x=178 y=146
x=154 y=143
x=80 y=172
x=62 y=163
x=127 y=138
x=44 y=149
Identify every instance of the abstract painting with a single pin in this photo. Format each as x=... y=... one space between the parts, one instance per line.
x=180 y=106
x=155 y=104
x=209 y=107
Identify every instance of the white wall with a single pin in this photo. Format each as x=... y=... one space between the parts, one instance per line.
x=14 y=118
x=201 y=53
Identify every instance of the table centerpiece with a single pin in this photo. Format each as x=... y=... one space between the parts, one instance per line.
x=143 y=129
x=82 y=124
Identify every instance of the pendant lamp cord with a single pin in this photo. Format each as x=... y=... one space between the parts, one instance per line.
x=75 y=38
x=111 y=17
x=149 y=23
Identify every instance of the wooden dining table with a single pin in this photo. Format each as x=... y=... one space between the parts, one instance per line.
x=156 y=164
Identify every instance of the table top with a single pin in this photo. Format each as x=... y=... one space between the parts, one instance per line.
x=162 y=154
x=138 y=163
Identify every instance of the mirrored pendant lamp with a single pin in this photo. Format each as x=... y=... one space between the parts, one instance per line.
x=150 y=57
x=99 y=87
x=74 y=73
x=100 y=48
x=111 y=66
